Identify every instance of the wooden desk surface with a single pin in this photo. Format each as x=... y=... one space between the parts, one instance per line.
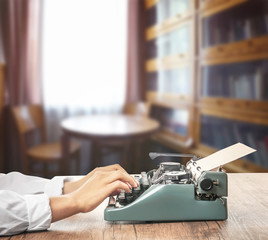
x=247 y=208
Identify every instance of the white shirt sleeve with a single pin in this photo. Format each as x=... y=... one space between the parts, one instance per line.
x=21 y=213
x=24 y=184
x=24 y=202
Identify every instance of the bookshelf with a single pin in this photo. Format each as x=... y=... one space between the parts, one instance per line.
x=210 y=91
x=170 y=68
x=232 y=101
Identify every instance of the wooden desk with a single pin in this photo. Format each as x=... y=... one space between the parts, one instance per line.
x=106 y=130
x=247 y=209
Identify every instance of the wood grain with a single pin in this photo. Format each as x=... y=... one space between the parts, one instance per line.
x=247 y=209
x=211 y=7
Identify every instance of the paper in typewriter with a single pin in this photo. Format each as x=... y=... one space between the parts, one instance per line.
x=224 y=156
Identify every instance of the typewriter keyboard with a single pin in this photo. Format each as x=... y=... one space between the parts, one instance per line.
x=167 y=173
x=125 y=198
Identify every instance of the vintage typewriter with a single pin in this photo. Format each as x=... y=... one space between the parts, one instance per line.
x=175 y=192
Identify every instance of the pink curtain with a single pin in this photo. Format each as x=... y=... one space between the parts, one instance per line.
x=21 y=47
x=21 y=39
x=135 y=57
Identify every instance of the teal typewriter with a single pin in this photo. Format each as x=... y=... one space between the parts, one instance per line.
x=174 y=192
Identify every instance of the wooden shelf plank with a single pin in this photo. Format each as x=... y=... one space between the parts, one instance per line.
x=169 y=62
x=186 y=104
x=260 y=118
x=150 y=3
x=235 y=103
x=211 y=7
x=247 y=50
x=154 y=96
x=168 y=25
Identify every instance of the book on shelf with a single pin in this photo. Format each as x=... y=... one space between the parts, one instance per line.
x=263 y=153
x=251 y=142
x=231 y=86
x=245 y=90
x=248 y=29
x=205 y=81
x=239 y=82
x=266 y=22
x=217 y=30
x=258 y=83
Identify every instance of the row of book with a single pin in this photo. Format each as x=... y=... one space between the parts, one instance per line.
x=176 y=81
x=175 y=42
x=172 y=120
x=219 y=133
x=226 y=29
x=166 y=9
x=240 y=81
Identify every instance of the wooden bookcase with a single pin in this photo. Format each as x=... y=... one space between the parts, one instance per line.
x=170 y=68
x=219 y=95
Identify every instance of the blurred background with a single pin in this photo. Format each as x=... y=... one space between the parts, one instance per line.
x=197 y=67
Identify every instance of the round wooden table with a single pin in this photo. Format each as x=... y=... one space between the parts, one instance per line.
x=106 y=130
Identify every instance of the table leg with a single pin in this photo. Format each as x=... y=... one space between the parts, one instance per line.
x=65 y=166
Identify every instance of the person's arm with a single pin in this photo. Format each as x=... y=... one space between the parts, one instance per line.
x=23 y=184
x=35 y=212
x=91 y=193
x=19 y=213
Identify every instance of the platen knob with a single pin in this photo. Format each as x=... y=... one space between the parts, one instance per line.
x=206 y=184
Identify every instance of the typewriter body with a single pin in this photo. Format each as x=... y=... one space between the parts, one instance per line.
x=175 y=192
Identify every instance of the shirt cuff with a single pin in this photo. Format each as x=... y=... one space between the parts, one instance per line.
x=55 y=186
x=39 y=212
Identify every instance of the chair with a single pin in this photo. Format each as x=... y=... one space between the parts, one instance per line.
x=138 y=109
x=30 y=125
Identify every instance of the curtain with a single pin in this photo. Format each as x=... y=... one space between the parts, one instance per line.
x=20 y=37
x=83 y=61
x=135 y=56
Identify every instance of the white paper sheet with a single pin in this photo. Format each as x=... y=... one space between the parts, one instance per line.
x=224 y=156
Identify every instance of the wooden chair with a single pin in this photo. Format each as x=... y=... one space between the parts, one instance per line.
x=138 y=109
x=30 y=126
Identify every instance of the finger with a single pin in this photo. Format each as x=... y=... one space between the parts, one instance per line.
x=116 y=192
x=116 y=167
x=110 y=168
x=114 y=186
x=138 y=183
x=122 y=176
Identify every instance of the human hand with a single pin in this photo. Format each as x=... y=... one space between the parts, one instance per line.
x=72 y=186
x=87 y=193
x=101 y=185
